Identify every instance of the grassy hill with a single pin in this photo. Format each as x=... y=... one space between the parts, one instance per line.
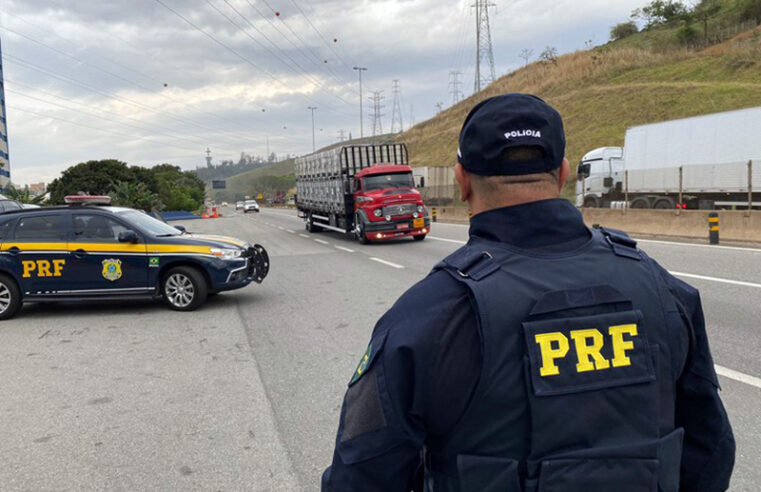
x=264 y=180
x=602 y=92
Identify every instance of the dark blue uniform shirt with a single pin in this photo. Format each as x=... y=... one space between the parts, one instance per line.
x=432 y=361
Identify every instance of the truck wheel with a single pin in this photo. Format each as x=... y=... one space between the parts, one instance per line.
x=359 y=230
x=184 y=288
x=311 y=226
x=640 y=202
x=665 y=203
x=591 y=202
x=10 y=297
x=419 y=238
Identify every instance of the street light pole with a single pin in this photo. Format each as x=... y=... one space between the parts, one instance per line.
x=312 y=108
x=361 y=118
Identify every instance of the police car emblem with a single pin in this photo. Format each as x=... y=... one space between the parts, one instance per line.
x=112 y=269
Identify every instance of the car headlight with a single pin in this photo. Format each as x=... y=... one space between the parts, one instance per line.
x=226 y=254
x=420 y=209
x=377 y=212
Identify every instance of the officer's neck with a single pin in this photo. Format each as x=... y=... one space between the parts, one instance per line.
x=484 y=203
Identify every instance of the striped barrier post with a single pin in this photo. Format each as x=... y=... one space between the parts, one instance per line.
x=713 y=227
x=434 y=215
x=470 y=215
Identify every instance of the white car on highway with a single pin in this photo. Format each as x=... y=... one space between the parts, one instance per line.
x=239 y=205
x=250 y=206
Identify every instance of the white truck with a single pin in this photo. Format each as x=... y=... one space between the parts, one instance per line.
x=704 y=162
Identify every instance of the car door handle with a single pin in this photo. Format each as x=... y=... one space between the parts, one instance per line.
x=14 y=250
x=80 y=253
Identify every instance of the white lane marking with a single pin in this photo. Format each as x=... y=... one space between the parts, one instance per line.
x=447 y=240
x=290 y=231
x=304 y=235
x=674 y=243
x=345 y=249
x=388 y=263
x=714 y=279
x=281 y=228
x=321 y=241
x=738 y=376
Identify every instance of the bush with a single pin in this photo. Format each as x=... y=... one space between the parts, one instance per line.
x=623 y=30
x=687 y=35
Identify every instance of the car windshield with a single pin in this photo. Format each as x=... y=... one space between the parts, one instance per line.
x=385 y=181
x=251 y=202
x=149 y=224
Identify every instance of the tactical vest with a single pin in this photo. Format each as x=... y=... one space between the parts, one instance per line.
x=576 y=392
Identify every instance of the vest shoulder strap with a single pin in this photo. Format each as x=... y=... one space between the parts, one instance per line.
x=620 y=242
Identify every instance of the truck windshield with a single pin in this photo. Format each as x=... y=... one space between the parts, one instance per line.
x=583 y=171
x=385 y=181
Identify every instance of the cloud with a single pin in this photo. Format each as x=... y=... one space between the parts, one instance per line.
x=167 y=90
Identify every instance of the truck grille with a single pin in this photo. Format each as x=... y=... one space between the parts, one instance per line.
x=397 y=210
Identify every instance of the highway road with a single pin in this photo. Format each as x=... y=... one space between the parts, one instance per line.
x=245 y=393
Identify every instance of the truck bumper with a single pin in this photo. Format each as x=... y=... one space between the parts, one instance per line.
x=380 y=230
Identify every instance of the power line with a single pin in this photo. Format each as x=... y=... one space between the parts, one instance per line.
x=484 y=52
x=109 y=95
x=377 y=100
x=397 y=125
x=361 y=102
x=313 y=58
x=234 y=52
x=84 y=62
x=330 y=47
x=454 y=84
x=305 y=73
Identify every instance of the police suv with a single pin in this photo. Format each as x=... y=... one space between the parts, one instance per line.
x=85 y=251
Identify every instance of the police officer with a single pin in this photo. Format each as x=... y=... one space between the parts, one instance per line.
x=541 y=356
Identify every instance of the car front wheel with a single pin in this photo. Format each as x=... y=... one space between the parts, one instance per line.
x=10 y=297
x=184 y=288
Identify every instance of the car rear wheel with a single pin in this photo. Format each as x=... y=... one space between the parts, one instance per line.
x=184 y=288
x=10 y=297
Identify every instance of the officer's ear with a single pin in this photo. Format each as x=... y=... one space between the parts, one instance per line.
x=463 y=178
x=565 y=172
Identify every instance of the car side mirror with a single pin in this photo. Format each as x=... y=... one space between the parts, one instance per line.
x=128 y=237
x=180 y=228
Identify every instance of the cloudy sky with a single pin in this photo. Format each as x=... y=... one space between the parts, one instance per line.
x=151 y=81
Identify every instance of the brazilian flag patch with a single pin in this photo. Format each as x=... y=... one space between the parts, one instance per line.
x=366 y=361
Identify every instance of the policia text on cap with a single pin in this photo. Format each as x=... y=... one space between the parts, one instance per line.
x=541 y=356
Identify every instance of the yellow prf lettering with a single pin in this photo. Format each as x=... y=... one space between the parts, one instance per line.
x=58 y=267
x=43 y=268
x=620 y=346
x=29 y=267
x=585 y=350
x=549 y=354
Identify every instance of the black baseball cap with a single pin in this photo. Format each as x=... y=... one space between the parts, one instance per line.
x=511 y=120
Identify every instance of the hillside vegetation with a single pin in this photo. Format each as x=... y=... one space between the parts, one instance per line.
x=268 y=179
x=603 y=91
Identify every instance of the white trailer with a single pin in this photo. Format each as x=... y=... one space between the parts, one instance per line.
x=711 y=161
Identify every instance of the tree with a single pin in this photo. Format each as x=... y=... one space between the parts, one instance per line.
x=549 y=55
x=703 y=12
x=687 y=34
x=623 y=30
x=526 y=54
x=23 y=196
x=661 y=12
x=135 y=195
x=751 y=10
x=95 y=177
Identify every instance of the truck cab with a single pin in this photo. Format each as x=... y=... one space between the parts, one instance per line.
x=387 y=205
x=600 y=173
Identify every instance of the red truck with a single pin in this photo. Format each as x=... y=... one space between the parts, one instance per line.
x=364 y=190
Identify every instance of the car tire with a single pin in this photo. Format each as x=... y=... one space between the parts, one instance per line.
x=184 y=288
x=10 y=297
x=359 y=230
x=419 y=238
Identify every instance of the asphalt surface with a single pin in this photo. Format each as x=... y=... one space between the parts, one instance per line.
x=245 y=393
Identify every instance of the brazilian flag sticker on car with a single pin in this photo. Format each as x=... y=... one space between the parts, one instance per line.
x=376 y=344
x=153 y=261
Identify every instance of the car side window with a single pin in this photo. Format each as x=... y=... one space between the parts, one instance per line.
x=41 y=227
x=5 y=227
x=95 y=227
